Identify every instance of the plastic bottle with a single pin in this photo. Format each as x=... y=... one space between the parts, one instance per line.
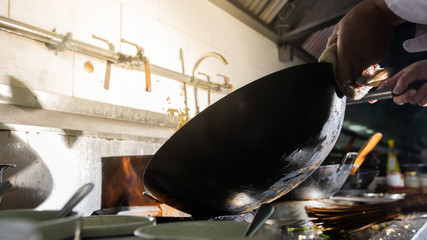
x=394 y=175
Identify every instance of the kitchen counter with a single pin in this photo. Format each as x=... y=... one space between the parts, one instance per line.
x=291 y=216
x=413 y=229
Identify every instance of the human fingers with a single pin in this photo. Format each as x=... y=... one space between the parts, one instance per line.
x=414 y=72
x=391 y=82
x=332 y=39
x=423 y=102
x=421 y=94
x=408 y=76
x=405 y=97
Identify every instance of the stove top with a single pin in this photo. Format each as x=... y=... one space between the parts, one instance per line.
x=290 y=217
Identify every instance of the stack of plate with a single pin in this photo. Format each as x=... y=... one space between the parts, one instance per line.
x=113 y=226
x=35 y=225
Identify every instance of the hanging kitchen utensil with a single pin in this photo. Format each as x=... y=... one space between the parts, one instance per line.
x=141 y=58
x=252 y=146
x=366 y=148
x=108 y=66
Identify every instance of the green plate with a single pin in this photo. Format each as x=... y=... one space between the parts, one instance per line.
x=206 y=230
x=113 y=225
x=49 y=228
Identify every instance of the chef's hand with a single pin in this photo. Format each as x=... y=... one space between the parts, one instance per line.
x=401 y=80
x=363 y=38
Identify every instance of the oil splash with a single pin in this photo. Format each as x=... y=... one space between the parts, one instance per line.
x=182 y=116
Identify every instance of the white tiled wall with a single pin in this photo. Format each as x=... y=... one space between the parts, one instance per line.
x=27 y=63
x=4 y=7
x=81 y=18
x=161 y=27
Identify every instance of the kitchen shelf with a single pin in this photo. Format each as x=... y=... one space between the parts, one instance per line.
x=37 y=111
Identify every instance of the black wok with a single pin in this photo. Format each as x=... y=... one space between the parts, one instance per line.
x=324 y=182
x=252 y=146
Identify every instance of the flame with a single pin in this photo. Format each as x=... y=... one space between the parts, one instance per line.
x=122 y=186
x=132 y=183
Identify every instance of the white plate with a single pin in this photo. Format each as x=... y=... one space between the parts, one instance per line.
x=206 y=230
x=113 y=225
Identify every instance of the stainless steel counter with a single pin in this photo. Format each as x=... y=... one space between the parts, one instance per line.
x=290 y=216
x=411 y=229
x=414 y=229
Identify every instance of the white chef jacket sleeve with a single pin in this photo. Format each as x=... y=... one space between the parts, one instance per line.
x=412 y=11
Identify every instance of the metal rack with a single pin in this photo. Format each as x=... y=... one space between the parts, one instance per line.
x=61 y=42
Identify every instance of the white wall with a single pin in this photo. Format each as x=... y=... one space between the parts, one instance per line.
x=161 y=27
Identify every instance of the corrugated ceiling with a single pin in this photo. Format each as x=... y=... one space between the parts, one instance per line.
x=265 y=10
x=304 y=25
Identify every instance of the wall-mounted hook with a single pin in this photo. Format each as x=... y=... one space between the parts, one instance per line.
x=140 y=57
x=226 y=81
x=108 y=67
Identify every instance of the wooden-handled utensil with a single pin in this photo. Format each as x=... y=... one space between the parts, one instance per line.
x=367 y=148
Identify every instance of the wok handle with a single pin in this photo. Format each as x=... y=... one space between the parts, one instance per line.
x=349 y=155
x=384 y=93
x=367 y=148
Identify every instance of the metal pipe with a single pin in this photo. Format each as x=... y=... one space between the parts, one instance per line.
x=196 y=65
x=59 y=42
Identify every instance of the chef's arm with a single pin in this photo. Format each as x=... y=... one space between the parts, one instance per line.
x=363 y=38
x=390 y=17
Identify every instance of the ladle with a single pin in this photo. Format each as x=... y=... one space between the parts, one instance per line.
x=262 y=214
x=74 y=200
x=4 y=186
